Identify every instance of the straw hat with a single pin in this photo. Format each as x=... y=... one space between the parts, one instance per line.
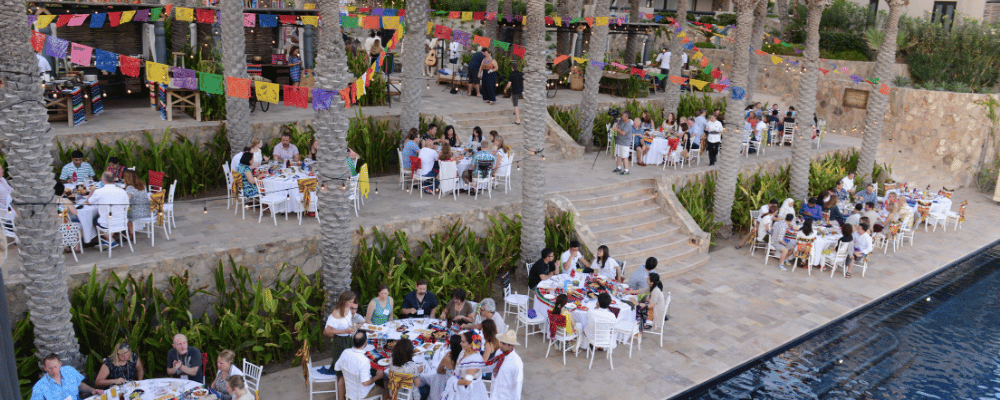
x=509 y=337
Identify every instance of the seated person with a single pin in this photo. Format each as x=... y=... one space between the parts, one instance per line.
x=841 y=191
x=783 y=235
x=420 y=302
x=356 y=362
x=770 y=207
x=121 y=366
x=559 y=308
x=483 y=155
x=65 y=204
x=428 y=166
x=77 y=170
x=868 y=195
x=542 y=269
x=488 y=311
x=380 y=308
x=831 y=207
x=604 y=265
x=286 y=151
x=812 y=210
x=806 y=233
x=224 y=364
x=601 y=313
x=458 y=310
x=573 y=258
x=184 y=361
x=411 y=148
x=637 y=143
x=60 y=382
x=862 y=246
x=116 y=168
x=855 y=217
x=107 y=198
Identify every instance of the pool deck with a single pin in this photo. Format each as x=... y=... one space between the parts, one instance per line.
x=725 y=313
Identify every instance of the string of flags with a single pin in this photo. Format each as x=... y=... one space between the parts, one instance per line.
x=776 y=59
x=293 y=96
x=187 y=14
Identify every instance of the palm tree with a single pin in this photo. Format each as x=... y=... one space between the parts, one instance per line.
x=234 y=63
x=533 y=183
x=673 y=93
x=878 y=102
x=413 y=55
x=806 y=101
x=725 y=189
x=781 y=7
x=331 y=132
x=632 y=43
x=23 y=121
x=756 y=38
x=490 y=27
x=592 y=80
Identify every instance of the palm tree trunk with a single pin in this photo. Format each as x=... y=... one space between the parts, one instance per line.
x=490 y=28
x=878 y=102
x=234 y=62
x=23 y=121
x=331 y=130
x=632 y=42
x=673 y=93
x=592 y=79
x=756 y=38
x=732 y=136
x=781 y=7
x=806 y=102
x=533 y=183
x=413 y=54
x=179 y=30
x=564 y=37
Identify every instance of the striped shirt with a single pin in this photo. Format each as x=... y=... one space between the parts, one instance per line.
x=82 y=172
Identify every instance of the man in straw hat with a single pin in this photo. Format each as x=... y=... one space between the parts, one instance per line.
x=508 y=370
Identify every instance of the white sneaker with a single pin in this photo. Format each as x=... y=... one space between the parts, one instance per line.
x=783 y=267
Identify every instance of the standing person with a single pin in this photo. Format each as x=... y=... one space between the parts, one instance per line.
x=848 y=182
x=77 y=169
x=121 y=366
x=60 y=382
x=542 y=269
x=515 y=83
x=488 y=71
x=623 y=140
x=295 y=66
x=380 y=308
x=419 y=303
x=664 y=59
x=355 y=361
x=454 y=53
x=508 y=370
x=573 y=258
x=340 y=327
x=184 y=361
x=697 y=130
x=714 y=139
x=474 y=64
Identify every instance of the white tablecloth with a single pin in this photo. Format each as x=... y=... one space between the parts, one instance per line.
x=288 y=184
x=626 y=315
x=156 y=388
x=86 y=216
x=463 y=166
x=819 y=245
x=659 y=147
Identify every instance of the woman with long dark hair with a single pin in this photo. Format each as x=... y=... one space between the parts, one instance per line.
x=451 y=137
x=466 y=381
x=604 y=265
x=402 y=363
x=655 y=302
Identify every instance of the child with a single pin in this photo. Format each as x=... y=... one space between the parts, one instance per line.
x=295 y=64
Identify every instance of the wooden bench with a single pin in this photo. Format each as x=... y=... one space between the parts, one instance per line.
x=446 y=79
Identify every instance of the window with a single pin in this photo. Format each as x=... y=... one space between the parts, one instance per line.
x=872 y=12
x=942 y=10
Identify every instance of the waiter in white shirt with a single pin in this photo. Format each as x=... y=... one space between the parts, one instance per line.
x=44 y=67
x=508 y=369
x=664 y=59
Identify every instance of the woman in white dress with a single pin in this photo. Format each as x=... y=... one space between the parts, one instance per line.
x=604 y=265
x=258 y=157
x=466 y=381
x=787 y=207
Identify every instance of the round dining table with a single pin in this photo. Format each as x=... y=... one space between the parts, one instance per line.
x=156 y=389
x=286 y=182
x=544 y=301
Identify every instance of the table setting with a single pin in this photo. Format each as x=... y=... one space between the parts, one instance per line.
x=428 y=335
x=284 y=178
x=582 y=291
x=157 y=389
x=79 y=191
x=827 y=235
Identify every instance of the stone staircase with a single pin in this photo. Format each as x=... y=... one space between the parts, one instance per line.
x=628 y=218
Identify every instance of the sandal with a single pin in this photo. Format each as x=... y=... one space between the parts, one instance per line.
x=848 y=275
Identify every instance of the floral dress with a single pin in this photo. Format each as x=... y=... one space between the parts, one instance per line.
x=249 y=188
x=295 y=71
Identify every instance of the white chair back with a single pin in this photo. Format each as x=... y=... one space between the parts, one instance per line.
x=355 y=390
x=603 y=334
x=252 y=372
x=7 y=220
x=448 y=175
x=118 y=218
x=170 y=194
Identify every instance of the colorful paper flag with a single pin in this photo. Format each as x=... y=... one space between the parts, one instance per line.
x=350 y=21
x=760 y=52
x=518 y=50
x=312 y=20
x=560 y=58
x=601 y=21
x=467 y=16
x=884 y=89
x=501 y=44
x=211 y=83
x=81 y=54
x=716 y=73
x=106 y=60
x=372 y=22
x=555 y=20
x=155 y=14
x=430 y=28
x=455 y=15
x=442 y=32
x=359 y=85
x=287 y=19
x=678 y=79
x=296 y=96
x=549 y=21
x=32 y=19
x=56 y=47
x=238 y=87
x=184 y=14
x=699 y=84
x=874 y=81
x=78 y=19
x=142 y=15
x=775 y=59
x=482 y=41
x=127 y=16
x=267 y=91
x=390 y=22
x=718 y=87
x=460 y=37
x=44 y=21
x=114 y=18
x=478 y=15
x=344 y=94
x=129 y=65
x=185 y=78
x=156 y=72
x=249 y=20
x=206 y=16
x=738 y=93
x=63 y=20
x=824 y=71
x=598 y=64
x=580 y=60
x=267 y=20
x=38 y=41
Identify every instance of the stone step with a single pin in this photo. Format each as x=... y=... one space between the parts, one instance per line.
x=507 y=118
x=681 y=266
x=667 y=264
x=648 y=220
x=597 y=198
x=671 y=245
x=481 y=114
x=608 y=188
x=615 y=218
x=638 y=238
x=638 y=201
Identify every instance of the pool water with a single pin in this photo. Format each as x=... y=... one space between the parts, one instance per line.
x=938 y=338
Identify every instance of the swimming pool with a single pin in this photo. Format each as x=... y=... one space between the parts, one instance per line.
x=937 y=338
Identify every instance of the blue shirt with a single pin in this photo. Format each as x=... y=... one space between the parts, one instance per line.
x=866 y=197
x=815 y=212
x=698 y=128
x=429 y=303
x=409 y=150
x=482 y=155
x=47 y=388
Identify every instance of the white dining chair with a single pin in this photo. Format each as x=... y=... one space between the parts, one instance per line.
x=9 y=230
x=666 y=316
x=271 y=199
x=71 y=237
x=510 y=298
x=503 y=172
x=481 y=179
x=562 y=337
x=252 y=372
x=448 y=175
x=838 y=258
x=168 y=208
x=229 y=184
x=603 y=337
x=117 y=219
x=626 y=331
x=313 y=376
x=355 y=390
x=522 y=319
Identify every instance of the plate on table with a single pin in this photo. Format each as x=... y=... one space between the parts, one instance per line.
x=383 y=362
x=571 y=306
x=136 y=394
x=550 y=296
x=624 y=286
x=200 y=392
x=584 y=308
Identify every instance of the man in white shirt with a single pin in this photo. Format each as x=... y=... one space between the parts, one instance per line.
x=428 y=156
x=369 y=42
x=110 y=200
x=286 y=151
x=508 y=370
x=454 y=51
x=664 y=59
x=862 y=246
x=353 y=360
x=848 y=182
x=873 y=217
x=488 y=310
x=759 y=131
x=601 y=313
x=714 y=139
x=44 y=67
x=572 y=258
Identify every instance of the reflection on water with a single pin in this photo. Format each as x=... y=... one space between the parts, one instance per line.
x=937 y=340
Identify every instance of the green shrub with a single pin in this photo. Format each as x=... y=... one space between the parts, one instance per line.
x=848 y=55
x=705 y=45
x=779 y=49
x=902 y=81
x=376 y=141
x=376 y=94
x=967 y=53
x=836 y=42
x=569 y=120
x=706 y=19
x=690 y=103
x=726 y=19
